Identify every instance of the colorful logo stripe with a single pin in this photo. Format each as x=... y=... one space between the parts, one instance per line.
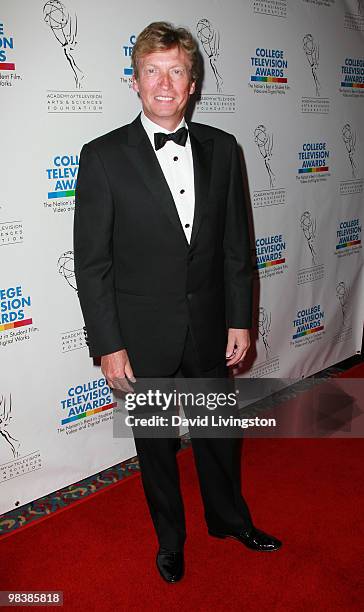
x=7 y=66
x=308 y=331
x=269 y=264
x=22 y=323
x=269 y=79
x=61 y=194
x=348 y=244
x=355 y=85
x=88 y=413
x=307 y=170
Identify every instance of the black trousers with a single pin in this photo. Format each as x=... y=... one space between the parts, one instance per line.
x=218 y=466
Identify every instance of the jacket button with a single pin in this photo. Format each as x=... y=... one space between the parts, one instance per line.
x=189 y=296
x=190 y=257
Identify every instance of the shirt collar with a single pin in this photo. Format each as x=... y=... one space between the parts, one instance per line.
x=151 y=128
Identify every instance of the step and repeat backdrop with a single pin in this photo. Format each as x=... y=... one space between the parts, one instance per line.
x=287 y=78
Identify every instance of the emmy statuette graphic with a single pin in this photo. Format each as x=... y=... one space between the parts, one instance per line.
x=5 y=418
x=264 y=327
x=343 y=294
x=264 y=142
x=349 y=138
x=210 y=40
x=64 y=27
x=311 y=48
x=66 y=267
x=308 y=226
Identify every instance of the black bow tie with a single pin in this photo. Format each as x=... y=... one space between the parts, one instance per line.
x=179 y=137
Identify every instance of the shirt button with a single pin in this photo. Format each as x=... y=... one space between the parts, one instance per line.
x=182 y=191
x=175 y=158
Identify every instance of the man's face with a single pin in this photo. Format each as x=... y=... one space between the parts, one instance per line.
x=164 y=86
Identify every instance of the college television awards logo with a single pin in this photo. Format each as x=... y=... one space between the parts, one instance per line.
x=16 y=323
x=348 y=237
x=8 y=76
x=352 y=77
x=313 y=162
x=127 y=49
x=62 y=179
x=14 y=308
x=210 y=42
x=269 y=255
x=91 y=401
x=6 y=46
x=270 y=71
x=308 y=325
x=63 y=23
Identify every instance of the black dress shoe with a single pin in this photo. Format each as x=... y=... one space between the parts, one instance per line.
x=254 y=539
x=170 y=565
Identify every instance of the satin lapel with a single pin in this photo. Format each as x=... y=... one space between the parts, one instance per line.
x=202 y=156
x=146 y=162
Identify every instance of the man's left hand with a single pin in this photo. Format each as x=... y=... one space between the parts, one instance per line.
x=237 y=345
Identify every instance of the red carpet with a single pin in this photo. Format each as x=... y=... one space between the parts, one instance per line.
x=308 y=492
x=355 y=372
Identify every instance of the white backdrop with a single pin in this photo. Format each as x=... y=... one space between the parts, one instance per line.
x=287 y=78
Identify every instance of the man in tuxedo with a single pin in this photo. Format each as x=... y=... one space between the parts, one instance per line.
x=162 y=262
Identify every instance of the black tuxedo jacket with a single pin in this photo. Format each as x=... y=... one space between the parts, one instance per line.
x=139 y=282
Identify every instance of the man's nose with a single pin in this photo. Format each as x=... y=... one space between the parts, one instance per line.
x=165 y=80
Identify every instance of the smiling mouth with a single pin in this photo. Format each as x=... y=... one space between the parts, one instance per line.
x=164 y=98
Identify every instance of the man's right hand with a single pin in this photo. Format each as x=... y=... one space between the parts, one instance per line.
x=117 y=370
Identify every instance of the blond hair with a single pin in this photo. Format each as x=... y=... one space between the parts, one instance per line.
x=160 y=36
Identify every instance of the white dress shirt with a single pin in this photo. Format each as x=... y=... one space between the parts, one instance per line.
x=177 y=166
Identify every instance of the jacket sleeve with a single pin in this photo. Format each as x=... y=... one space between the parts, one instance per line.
x=93 y=254
x=237 y=254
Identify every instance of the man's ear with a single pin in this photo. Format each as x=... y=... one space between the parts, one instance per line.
x=192 y=87
x=134 y=84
